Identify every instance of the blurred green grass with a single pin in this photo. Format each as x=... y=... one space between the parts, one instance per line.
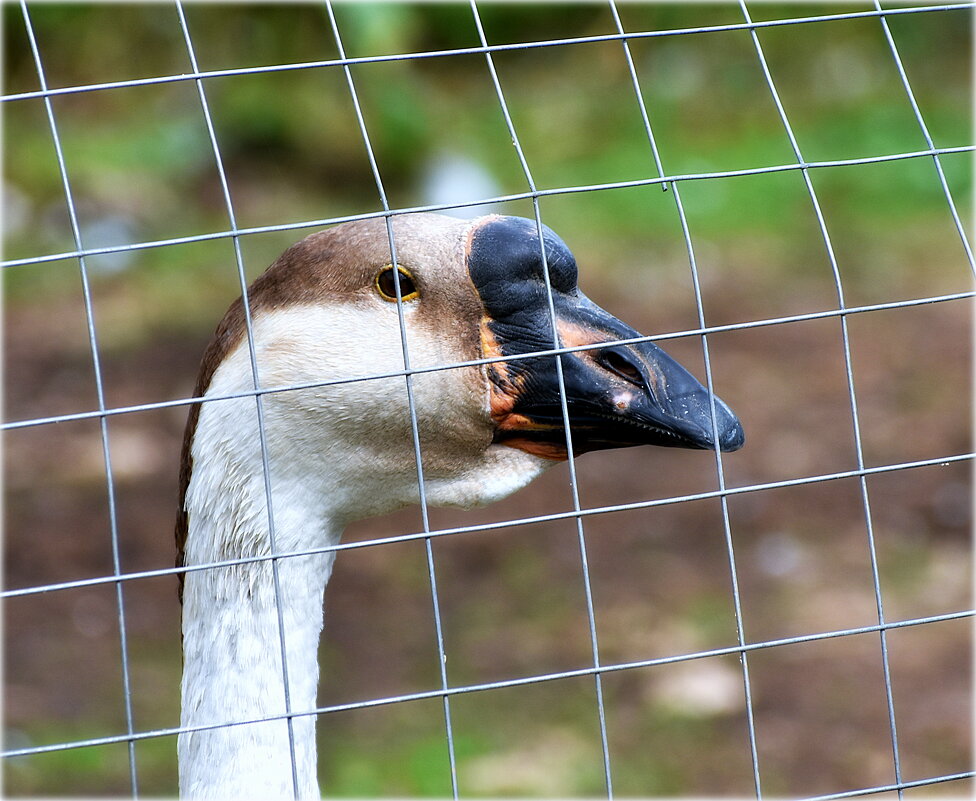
x=142 y=169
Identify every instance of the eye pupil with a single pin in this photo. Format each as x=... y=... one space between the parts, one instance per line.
x=386 y=283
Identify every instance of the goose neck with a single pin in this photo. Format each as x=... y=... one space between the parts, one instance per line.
x=238 y=622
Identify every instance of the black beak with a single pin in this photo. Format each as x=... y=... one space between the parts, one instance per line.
x=617 y=395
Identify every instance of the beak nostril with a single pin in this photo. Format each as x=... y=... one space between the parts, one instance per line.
x=619 y=363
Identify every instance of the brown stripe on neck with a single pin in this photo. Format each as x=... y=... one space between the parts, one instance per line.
x=230 y=331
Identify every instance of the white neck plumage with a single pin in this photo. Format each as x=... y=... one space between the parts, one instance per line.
x=325 y=472
x=232 y=639
x=233 y=672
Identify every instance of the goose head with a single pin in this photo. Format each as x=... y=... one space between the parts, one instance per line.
x=326 y=313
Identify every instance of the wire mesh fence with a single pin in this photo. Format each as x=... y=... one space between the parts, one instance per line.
x=780 y=193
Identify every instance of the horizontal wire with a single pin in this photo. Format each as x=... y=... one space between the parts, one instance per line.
x=502 y=683
x=528 y=195
x=942 y=461
x=751 y=324
x=477 y=50
x=886 y=788
x=445 y=692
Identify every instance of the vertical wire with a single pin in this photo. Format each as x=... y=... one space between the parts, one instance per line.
x=100 y=393
x=580 y=535
x=928 y=138
x=411 y=404
x=852 y=396
x=655 y=153
x=726 y=523
x=258 y=398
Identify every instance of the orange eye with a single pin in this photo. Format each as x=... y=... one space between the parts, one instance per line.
x=385 y=284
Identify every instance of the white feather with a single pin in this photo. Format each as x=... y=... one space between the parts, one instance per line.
x=335 y=454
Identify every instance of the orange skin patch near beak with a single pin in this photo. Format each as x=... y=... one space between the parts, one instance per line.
x=572 y=335
x=546 y=450
x=575 y=336
x=504 y=390
x=504 y=386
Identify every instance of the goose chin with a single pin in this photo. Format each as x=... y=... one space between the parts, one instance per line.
x=553 y=449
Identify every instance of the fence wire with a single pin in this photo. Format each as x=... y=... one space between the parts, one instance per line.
x=581 y=515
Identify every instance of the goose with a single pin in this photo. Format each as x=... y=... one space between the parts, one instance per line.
x=327 y=310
